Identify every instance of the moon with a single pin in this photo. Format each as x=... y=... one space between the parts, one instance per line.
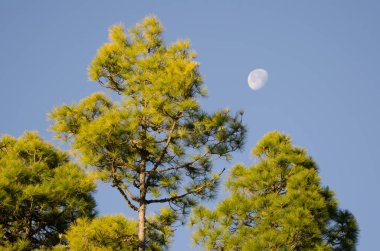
x=257 y=79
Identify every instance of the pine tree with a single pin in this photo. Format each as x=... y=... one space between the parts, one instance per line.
x=41 y=193
x=277 y=204
x=154 y=145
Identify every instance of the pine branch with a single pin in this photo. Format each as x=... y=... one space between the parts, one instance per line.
x=117 y=182
x=158 y=162
x=164 y=151
x=173 y=198
x=196 y=190
x=188 y=164
x=126 y=198
x=129 y=192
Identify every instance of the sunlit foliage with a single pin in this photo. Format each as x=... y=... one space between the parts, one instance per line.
x=276 y=204
x=156 y=145
x=116 y=232
x=41 y=193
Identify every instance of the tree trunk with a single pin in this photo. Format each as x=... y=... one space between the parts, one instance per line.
x=142 y=209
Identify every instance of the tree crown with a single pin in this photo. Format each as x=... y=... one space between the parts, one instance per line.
x=41 y=193
x=276 y=204
x=158 y=128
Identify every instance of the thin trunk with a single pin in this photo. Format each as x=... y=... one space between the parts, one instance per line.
x=142 y=209
x=143 y=188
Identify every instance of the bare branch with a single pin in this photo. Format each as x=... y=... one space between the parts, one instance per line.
x=117 y=182
x=129 y=192
x=126 y=198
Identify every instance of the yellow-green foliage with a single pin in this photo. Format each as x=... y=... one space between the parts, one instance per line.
x=276 y=204
x=41 y=192
x=106 y=233
x=116 y=232
x=157 y=128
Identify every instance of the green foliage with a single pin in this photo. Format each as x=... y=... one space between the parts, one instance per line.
x=103 y=233
x=18 y=245
x=277 y=204
x=156 y=145
x=41 y=193
x=117 y=232
x=342 y=231
x=160 y=230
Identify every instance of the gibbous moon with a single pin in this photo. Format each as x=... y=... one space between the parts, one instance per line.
x=257 y=79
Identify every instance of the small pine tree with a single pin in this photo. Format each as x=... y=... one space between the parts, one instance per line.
x=277 y=204
x=116 y=232
x=41 y=193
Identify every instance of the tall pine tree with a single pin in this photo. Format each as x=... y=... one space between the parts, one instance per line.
x=276 y=204
x=156 y=145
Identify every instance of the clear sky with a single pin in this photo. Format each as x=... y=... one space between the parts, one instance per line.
x=323 y=88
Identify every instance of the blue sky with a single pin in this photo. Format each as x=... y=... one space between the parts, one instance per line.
x=323 y=88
